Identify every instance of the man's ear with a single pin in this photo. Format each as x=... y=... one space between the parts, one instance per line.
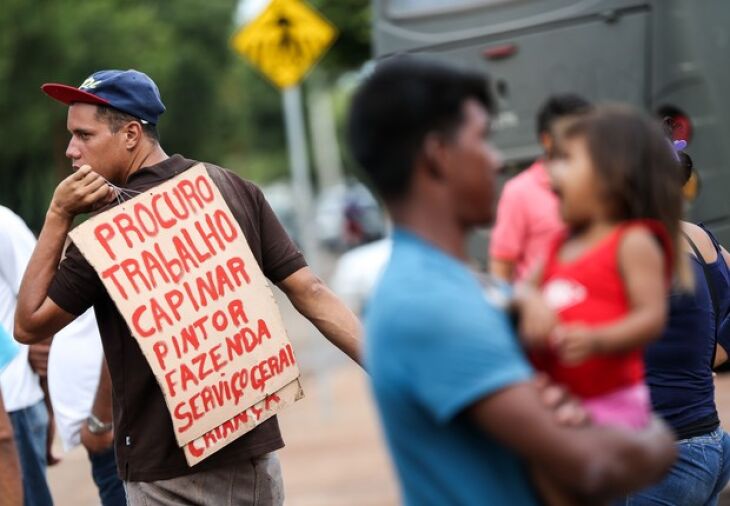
x=434 y=155
x=133 y=134
x=548 y=143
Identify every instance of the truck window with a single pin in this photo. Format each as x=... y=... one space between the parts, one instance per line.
x=413 y=8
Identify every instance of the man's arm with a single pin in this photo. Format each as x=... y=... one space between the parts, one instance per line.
x=102 y=410
x=11 y=482
x=36 y=316
x=314 y=300
x=38 y=359
x=507 y=240
x=592 y=462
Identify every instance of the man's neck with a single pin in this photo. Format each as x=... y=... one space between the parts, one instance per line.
x=432 y=225
x=146 y=157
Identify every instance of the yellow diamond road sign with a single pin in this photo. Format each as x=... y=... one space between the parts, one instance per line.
x=285 y=41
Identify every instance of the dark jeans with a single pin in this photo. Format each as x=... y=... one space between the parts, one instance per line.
x=30 y=426
x=104 y=472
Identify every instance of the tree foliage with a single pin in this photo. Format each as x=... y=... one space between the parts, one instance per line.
x=218 y=109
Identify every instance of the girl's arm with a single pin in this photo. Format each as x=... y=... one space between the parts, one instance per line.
x=536 y=319
x=642 y=266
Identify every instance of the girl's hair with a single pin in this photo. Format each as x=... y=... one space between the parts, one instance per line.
x=638 y=170
x=687 y=166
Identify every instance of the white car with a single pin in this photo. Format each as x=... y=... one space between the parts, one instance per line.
x=348 y=215
x=358 y=271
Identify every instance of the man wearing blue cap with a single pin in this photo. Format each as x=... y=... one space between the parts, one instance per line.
x=112 y=119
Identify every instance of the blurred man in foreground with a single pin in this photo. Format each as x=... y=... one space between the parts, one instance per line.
x=461 y=410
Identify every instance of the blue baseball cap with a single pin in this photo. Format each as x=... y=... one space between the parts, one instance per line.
x=129 y=91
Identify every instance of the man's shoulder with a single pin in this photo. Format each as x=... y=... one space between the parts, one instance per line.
x=426 y=303
x=419 y=275
x=523 y=182
x=230 y=176
x=458 y=323
x=232 y=185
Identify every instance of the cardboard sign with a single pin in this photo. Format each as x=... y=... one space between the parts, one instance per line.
x=214 y=440
x=179 y=269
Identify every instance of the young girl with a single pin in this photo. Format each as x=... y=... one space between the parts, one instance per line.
x=607 y=277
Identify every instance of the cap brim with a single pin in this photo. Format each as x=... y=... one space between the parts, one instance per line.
x=68 y=94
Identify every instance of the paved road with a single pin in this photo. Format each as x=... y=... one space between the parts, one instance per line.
x=335 y=454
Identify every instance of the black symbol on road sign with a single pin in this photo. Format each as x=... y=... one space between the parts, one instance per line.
x=294 y=43
x=287 y=42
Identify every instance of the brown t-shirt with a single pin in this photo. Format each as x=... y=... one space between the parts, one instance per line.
x=144 y=438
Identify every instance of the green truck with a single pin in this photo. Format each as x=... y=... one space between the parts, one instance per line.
x=669 y=57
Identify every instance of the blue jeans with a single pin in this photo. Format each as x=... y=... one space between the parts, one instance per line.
x=104 y=472
x=701 y=472
x=30 y=427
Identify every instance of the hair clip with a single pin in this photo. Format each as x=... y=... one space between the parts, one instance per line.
x=679 y=145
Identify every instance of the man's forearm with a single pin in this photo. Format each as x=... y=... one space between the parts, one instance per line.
x=29 y=328
x=628 y=460
x=311 y=297
x=591 y=462
x=36 y=316
x=102 y=439
x=334 y=320
x=11 y=482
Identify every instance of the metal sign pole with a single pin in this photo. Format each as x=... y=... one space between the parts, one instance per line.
x=299 y=166
x=322 y=128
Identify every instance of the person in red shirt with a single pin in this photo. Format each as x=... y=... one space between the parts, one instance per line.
x=528 y=218
x=607 y=276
